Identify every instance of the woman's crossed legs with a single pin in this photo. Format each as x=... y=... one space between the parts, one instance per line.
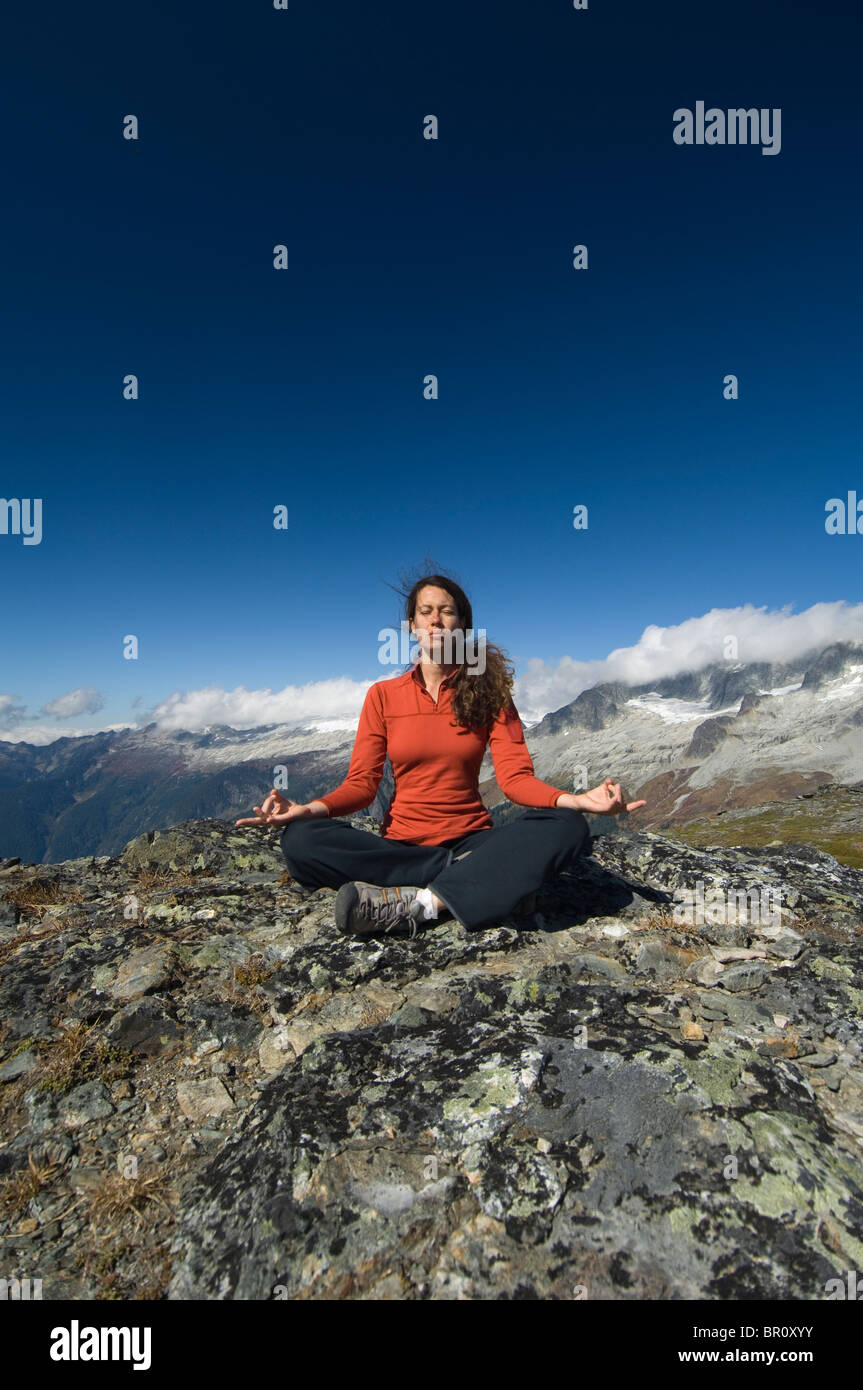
x=505 y=863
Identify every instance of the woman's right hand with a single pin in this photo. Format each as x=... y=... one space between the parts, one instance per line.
x=276 y=810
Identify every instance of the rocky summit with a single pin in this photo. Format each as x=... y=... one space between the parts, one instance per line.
x=650 y=1088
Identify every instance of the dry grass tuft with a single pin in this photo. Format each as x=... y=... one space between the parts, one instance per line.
x=38 y=893
x=17 y=1192
x=77 y=1057
x=660 y=919
x=162 y=878
x=117 y=1198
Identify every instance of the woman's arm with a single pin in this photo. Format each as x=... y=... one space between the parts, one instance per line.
x=360 y=787
x=513 y=765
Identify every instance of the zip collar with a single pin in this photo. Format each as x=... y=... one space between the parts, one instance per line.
x=415 y=675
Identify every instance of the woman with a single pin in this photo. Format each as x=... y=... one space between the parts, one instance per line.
x=435 y=722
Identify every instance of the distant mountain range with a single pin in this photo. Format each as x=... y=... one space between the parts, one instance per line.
x=708 y=749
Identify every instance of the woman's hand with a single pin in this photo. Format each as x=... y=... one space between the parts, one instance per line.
x=276 y=810
x=607 y=800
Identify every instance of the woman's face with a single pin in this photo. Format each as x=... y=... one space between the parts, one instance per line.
x=435 y=613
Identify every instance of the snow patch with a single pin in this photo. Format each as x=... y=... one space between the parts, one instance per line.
x=852 y=687
x=677 y=711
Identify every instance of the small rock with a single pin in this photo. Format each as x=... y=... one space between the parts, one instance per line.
x=143 y=1026
x=55 y=1149
x=820 y=1059
x=275 y=1049
x=42 y=1107
x=782 y=1046
x=603 y=966
x=747 y=975
x=89 y=1101
x=18 y=1066
x=85 y=1179
x=144 y=970
x=705 y=971
x=223 y=950
x=731 y=953
x=693 y=1031
x=202 y=1099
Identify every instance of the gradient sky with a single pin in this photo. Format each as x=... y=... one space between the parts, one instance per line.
x=406 y=257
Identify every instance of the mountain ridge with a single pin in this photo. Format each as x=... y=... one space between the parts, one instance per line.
x=719 y=738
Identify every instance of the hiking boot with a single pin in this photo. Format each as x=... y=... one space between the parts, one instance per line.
x=364 y=909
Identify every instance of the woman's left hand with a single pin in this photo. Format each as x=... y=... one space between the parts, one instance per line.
x=607 y=800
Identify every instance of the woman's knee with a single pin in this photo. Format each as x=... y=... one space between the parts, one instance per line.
x=297 y=830
x=293 y=839
x=577 y=826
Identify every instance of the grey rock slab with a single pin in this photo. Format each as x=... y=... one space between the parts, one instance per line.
x=144 y=1026
x=142 y=972
x=89 y=1101
x=605 y=966
x=223 y=951
x=19 y=1066
x=663 y=959
x=201 y=1100
x=746 y=975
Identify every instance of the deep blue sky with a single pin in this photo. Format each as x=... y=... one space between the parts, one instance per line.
x=409 y=256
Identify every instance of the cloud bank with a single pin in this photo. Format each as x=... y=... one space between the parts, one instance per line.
x=760 y=635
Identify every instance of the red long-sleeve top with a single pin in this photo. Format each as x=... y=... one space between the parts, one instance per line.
x=435 y=764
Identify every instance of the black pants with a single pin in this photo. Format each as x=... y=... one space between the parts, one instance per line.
x=504 y=863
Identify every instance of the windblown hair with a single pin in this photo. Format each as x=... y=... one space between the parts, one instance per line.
x=477 y=698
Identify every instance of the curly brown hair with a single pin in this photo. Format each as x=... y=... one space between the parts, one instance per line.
x=477 y=698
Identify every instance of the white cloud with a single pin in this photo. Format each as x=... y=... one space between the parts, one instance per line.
x=84 y=700
x=246 y=709
x=11 y=710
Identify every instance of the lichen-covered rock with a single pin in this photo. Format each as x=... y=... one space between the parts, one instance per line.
x=604 y=1097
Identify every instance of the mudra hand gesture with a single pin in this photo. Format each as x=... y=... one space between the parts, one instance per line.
x=275 y=811
x=607 y=800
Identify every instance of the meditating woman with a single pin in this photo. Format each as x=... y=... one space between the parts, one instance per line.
x=439 y=852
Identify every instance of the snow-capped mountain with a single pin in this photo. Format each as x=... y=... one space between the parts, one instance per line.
x=694 y=745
